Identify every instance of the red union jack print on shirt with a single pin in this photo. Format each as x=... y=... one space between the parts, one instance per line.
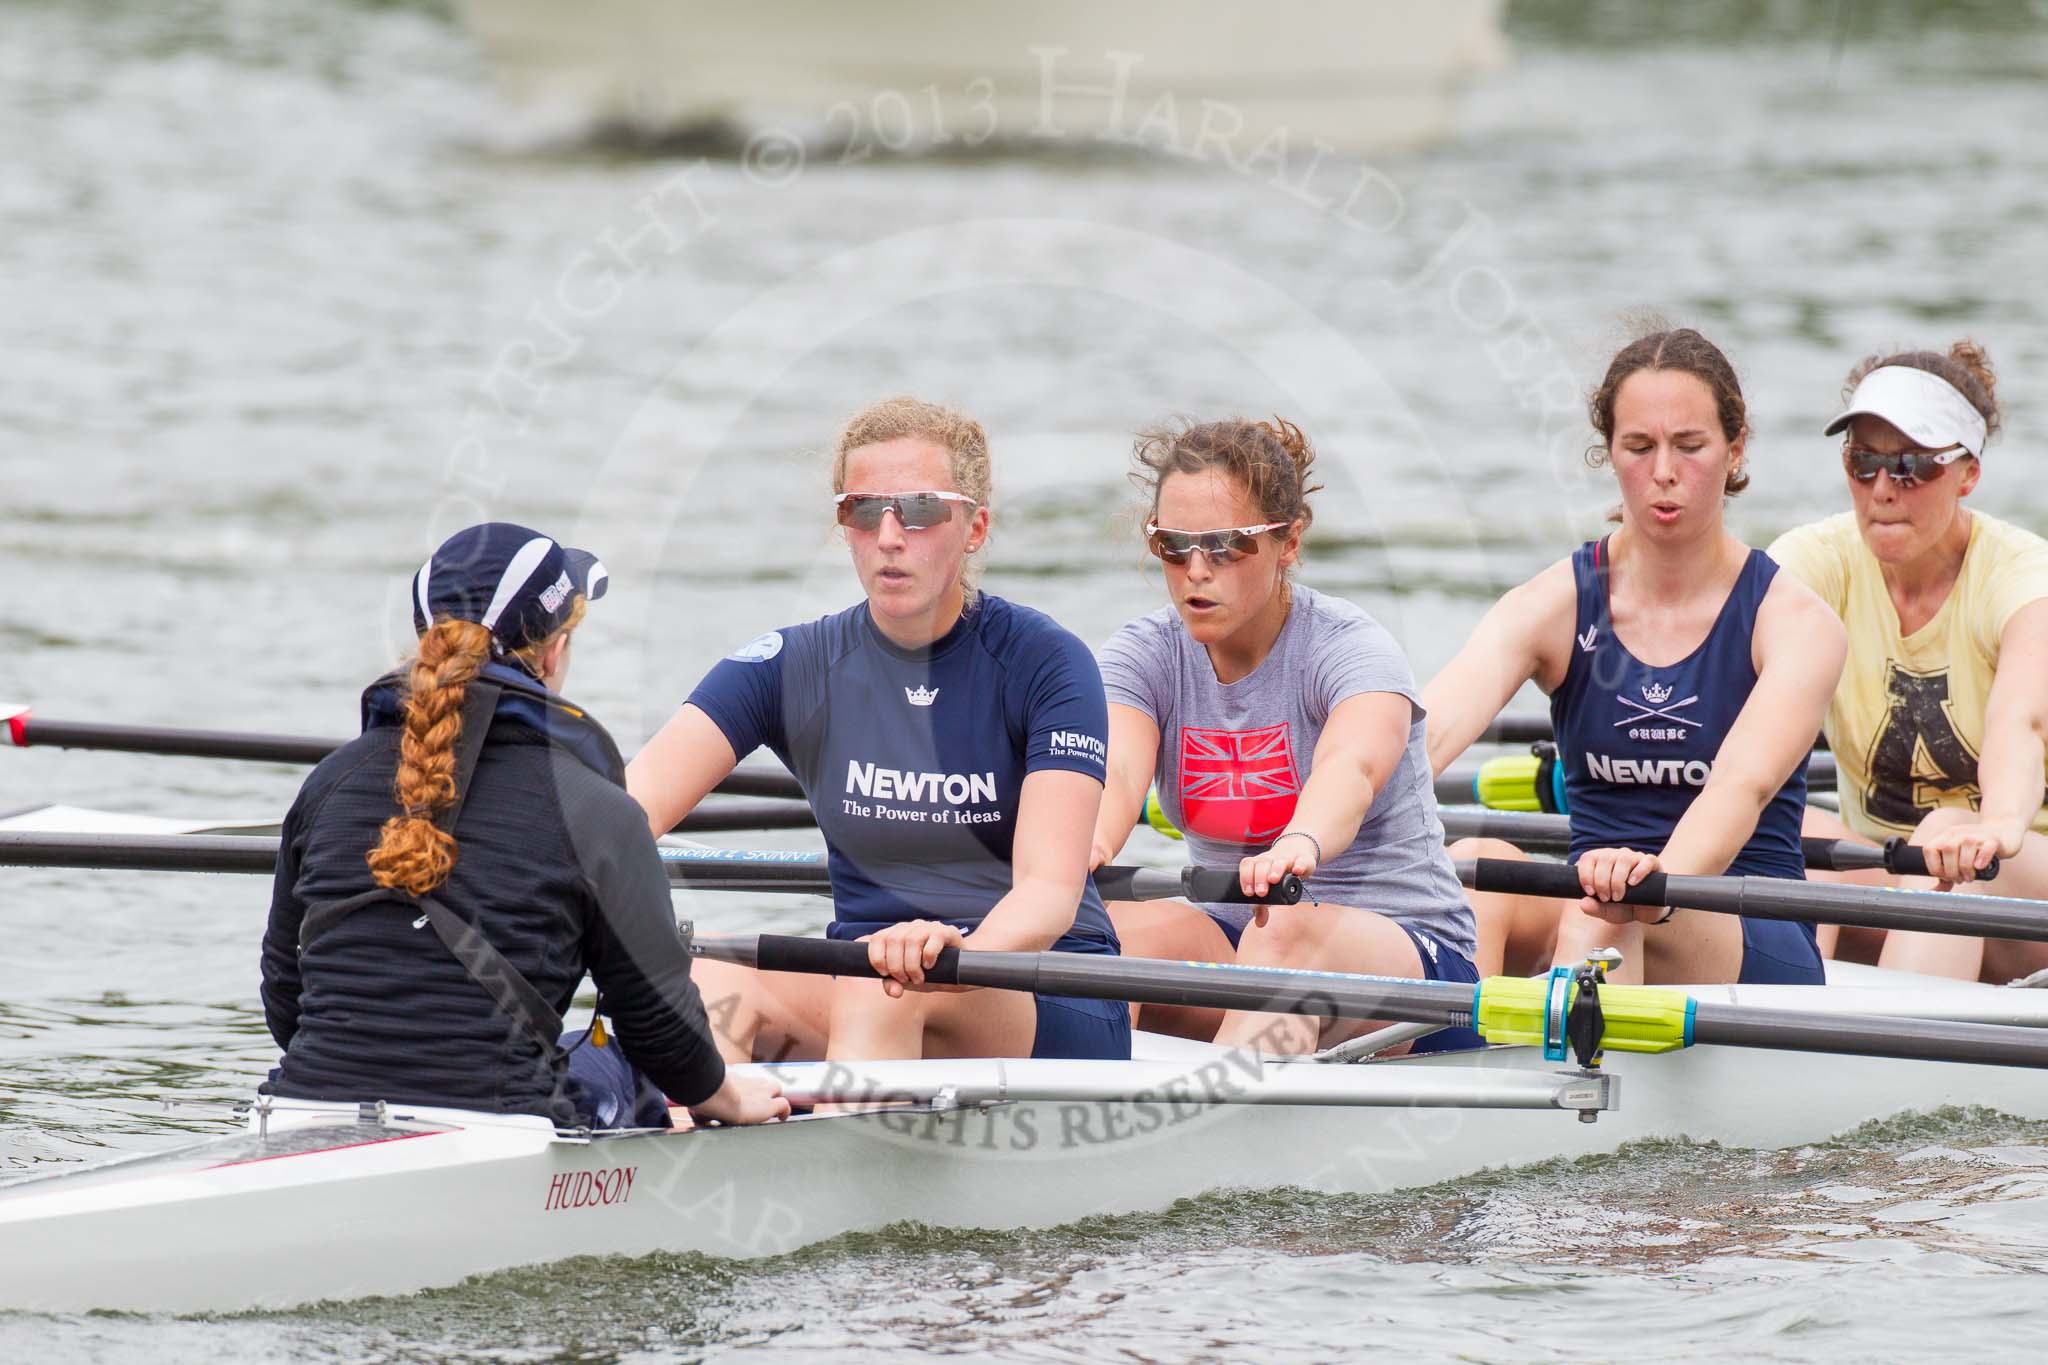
x=1237 y=785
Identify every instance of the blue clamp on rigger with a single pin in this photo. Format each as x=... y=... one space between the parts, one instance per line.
x=1557 y=1000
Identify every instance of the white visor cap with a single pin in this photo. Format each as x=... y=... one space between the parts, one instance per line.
x=1926 y=407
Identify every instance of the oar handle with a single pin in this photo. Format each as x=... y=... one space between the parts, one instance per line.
x=1561 y=880
x=1214 y=885
x=1909 y=860
x=1896 y=856
x=834 y=957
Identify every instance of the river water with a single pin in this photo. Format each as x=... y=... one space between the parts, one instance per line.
x=288 y=297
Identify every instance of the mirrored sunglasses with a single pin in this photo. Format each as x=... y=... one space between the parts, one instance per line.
x=916 y=511
x=1912 y=467
x=1218 y=547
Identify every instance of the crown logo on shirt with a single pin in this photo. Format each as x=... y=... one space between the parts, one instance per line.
x=920 y=696
x=1656 y=694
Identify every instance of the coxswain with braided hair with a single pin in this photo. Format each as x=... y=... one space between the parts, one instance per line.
x=448 y=878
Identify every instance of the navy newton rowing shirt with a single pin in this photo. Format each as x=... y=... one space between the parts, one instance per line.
x=1637 y=743
x=913 y=759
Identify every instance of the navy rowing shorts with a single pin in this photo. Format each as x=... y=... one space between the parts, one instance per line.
x=1440 y=962
x=1777 y=952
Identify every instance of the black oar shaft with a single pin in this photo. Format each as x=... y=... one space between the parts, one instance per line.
x=1332 y=996
x=141 y=852
x=1932 y=1040
x=710 y=869
x=258 y=854
x=1142 y=980
x=1534 y=833
x=36 y=732
x=1941 y=912
x=1508 y=729
x=724 y=817
x=1526 y=830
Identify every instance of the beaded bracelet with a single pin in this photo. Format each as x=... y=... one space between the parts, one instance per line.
x=1304 y=834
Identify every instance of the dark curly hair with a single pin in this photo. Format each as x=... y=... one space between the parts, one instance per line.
x=1672 y=348
x=1271 y=459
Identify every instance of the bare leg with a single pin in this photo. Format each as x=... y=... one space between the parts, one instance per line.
x=1178 y=932
x=760 y=1016
x=1330 y=938
x=2024 y=876
x=867 y=1024
x=1847 y=942
x=1952 y=955
x=1693 y=946
x=1517 y=934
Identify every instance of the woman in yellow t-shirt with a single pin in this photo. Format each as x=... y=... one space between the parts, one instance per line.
x=1939 y=722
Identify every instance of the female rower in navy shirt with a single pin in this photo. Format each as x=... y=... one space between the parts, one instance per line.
x=1687 y=679
x=952 y=747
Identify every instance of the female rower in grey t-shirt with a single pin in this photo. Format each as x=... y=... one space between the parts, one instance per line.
x=1284 y=730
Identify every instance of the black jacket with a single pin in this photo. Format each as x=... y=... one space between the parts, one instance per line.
x=554 y=865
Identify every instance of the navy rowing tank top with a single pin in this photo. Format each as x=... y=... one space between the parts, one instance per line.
x=1636 y=743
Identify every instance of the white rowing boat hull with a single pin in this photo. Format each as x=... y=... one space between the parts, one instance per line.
x=60 y=819
x=326 y=1207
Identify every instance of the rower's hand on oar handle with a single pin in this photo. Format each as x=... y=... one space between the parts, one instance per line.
x=1262 y=875
x=1275 y=876
x=743 y=1099
x=902 y=953
x=1606 y=874
x=1961 y=853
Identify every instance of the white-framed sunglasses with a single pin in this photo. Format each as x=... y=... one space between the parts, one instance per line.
x=916 y=511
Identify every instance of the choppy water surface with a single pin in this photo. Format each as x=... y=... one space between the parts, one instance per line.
x=289 y=297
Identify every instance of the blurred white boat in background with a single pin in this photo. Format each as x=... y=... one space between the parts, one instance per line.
x=1205 y=78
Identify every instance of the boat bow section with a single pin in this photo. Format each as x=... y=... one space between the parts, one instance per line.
x=304 y=1206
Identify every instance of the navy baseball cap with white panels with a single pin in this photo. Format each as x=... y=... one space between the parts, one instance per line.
x=511 y=580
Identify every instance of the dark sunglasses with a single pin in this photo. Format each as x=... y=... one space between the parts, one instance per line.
x=917 y=511
x=1218 y=547
x=1913 y=467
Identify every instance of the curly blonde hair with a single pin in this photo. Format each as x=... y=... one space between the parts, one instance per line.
x=960 y=436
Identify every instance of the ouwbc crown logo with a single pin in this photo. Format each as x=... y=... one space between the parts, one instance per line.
x=1656 y=694
x=920 y=696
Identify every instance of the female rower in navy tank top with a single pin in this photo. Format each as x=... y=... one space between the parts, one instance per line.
x=952 y=746
x=1687 y=679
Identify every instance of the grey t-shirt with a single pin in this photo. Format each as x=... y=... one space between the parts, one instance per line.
x=1233 y=756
